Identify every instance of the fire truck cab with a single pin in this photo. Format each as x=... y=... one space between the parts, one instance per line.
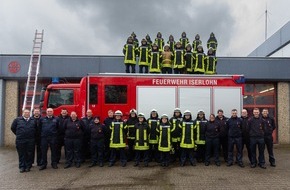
x=144 y=92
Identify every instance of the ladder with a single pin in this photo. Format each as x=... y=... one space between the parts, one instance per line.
x=33 y=70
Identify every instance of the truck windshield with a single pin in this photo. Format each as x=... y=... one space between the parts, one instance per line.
x=58 y=97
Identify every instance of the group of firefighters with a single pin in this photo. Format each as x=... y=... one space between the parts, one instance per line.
x=181 y=56
x=160 y=139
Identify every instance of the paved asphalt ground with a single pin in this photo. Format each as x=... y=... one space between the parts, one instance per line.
x=153 y=177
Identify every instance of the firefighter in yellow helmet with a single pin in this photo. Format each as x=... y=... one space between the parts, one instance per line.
x=144 y=56
x=118 y=139
x=187 y=143
x=166 y=60
x=155 y=60
x=142 y=140
x=164 y=143
x=129 y=52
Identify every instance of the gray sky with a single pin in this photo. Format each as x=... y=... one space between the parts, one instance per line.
x=101 y=27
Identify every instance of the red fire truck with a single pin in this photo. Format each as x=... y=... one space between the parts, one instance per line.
x=144 y=92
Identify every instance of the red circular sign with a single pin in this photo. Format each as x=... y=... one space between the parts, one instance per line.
x=14 y=67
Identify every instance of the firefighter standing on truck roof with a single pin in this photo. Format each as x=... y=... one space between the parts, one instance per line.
x=159 y=41
x=166 y=60
x=132 y=120
x=200 y=125
x=196 y=42
x=176 y=134
x=178 y=59
x=155 y=60
x=144 y=56
x=164 y=142
x=171 y=43
x=183 y=40
x=211 y=62
x=129 y=52
x=187 y=143
x=199 y=61
x=142 y=141
x=118 y=139
x=149 y=41
x=212 y=42
x=135 y=40
x=153 y=123
x=74 y=132
x=212 y=141
x=188 y=58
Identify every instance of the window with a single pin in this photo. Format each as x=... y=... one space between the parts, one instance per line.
x=60 y=97
x=115 y=94
x=93 y=96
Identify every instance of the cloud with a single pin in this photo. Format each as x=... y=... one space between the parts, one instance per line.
x=101 y=27
x=115 y=20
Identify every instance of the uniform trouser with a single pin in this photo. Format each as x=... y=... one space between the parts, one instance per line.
x=164 y=157
x=38 y=152
x=254 y=141
x=141 y=68
x=25 y=149
x=246 y=142
x=239 y=145
x=131 y=153
x=167 y=70
x=97 y=150
x=128 y=68
x=85 y=148
x=212 y=144
x=177 y=154
x=200 y=152
x=178 y=71
x=73 y=150
x=269 y=145
x=59 y=145
x=107 y=148
x=113 y=155
x=154 y=153
x=51 y=142
x=187 y=152
x=224 y=146
x=138 y=154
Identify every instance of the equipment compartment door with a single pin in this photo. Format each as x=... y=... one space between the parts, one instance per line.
x=227 y=98
x=194 y=99
x=163 y=99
